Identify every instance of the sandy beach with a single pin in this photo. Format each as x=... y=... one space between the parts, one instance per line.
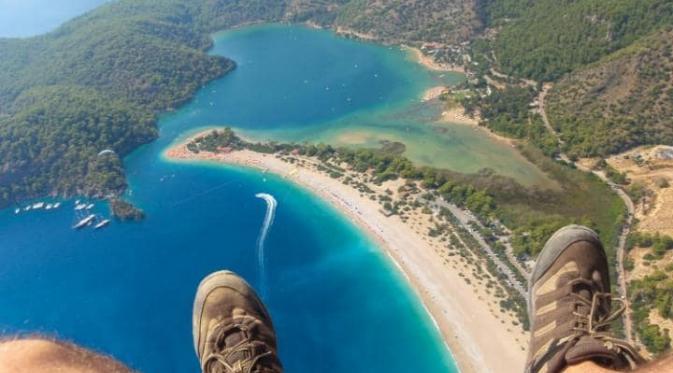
x=480 y=337
x=457 y=116
x=430 y=62
x=343 y=31
x=433 y=93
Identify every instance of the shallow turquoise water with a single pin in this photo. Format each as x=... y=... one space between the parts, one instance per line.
x=292 y=77
x=338 y=304
x=347 y=93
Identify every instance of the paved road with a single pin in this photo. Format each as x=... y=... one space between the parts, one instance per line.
x=524 y=269
x=543 y=113
x=498 y=74
x=465 y=217
x=621 y=247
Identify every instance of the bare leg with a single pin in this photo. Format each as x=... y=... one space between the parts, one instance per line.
x=37 y=355
x=587 y=367
x=663 y=365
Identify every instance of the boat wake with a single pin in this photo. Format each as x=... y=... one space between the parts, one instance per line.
x=271 y=204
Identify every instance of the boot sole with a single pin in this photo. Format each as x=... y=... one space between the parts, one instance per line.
x=554 y=247
x=219 y=279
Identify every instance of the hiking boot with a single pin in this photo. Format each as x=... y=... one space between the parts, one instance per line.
x=232 y=329
x=570 y=305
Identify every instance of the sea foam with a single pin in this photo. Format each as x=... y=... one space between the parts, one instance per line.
x=271 y=204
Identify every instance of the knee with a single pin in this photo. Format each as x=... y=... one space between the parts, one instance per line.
x=28 y=355
x=35 y=355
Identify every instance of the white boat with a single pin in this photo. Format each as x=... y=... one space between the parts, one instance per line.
x=90 y=206
x=57 y=205
x=27 y=208
x=49 y=206
x=104 y=223
x=38 y=205
x=80 y=206
x=84 y=222
x=17 y=211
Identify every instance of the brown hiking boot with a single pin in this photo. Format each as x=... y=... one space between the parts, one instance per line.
x=570 y=306
x=232 y=329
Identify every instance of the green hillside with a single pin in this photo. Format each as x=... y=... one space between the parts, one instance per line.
x=52 y=143
x=620 y=102
x=412 y=21
x=99 y=81
x=96 y=83
x=545 y=39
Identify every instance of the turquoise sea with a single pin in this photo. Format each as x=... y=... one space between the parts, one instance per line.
x=23 y=18
x=337 y=302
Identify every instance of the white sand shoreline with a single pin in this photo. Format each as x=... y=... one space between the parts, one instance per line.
x=478 y=338
x=430 y=62
x=456 y=116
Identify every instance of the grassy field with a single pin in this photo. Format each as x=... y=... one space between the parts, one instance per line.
x=582 y=199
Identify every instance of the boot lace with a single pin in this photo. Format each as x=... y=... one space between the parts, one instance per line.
x=596 y=323
x=246 y=356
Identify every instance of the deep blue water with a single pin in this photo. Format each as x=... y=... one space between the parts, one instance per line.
x=337 y=303
x=23 y=18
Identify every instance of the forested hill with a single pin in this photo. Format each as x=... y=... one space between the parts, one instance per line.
x=96 y=83
x=545 y=39
x=622 y=101
x=434 y=21
x=99 y=81
x=610 y=58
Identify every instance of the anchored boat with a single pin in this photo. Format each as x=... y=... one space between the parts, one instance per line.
x=104 y=223
x=84 y=222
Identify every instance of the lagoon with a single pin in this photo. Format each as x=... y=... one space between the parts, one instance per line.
x=299 y=84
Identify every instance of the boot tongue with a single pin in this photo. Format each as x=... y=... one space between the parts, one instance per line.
x=603 y=353
x=585 y=309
